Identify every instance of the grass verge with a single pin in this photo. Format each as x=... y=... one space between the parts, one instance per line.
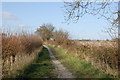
x=79 y=68
x=40 y=68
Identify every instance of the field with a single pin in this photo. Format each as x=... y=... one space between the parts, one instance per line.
x=103 y=55
x=64 y=39
x=100 y=56
x=79 y=68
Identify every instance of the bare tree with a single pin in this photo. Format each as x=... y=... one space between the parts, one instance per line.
x=45 y=31
x=112 y=32
x=78 y=8
x=61 y=36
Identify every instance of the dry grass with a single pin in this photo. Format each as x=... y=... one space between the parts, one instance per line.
x=102 y=54
x=17 y=51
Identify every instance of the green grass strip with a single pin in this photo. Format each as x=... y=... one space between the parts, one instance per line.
x=41 y=68
x=79 y=68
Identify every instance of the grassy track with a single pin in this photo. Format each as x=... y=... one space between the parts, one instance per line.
x=41 y=68
x=78 y=67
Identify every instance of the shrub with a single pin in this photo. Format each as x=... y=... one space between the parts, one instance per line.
x=61 y=37
x=13 y=45
x=102 y=54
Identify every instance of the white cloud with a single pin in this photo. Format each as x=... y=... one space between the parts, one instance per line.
x=8 y=16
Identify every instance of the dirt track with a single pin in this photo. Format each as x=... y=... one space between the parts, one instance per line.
x=60 y=69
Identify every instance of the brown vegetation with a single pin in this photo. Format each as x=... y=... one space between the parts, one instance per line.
x=102 y=54
x=17 y=51
x=60 y=37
